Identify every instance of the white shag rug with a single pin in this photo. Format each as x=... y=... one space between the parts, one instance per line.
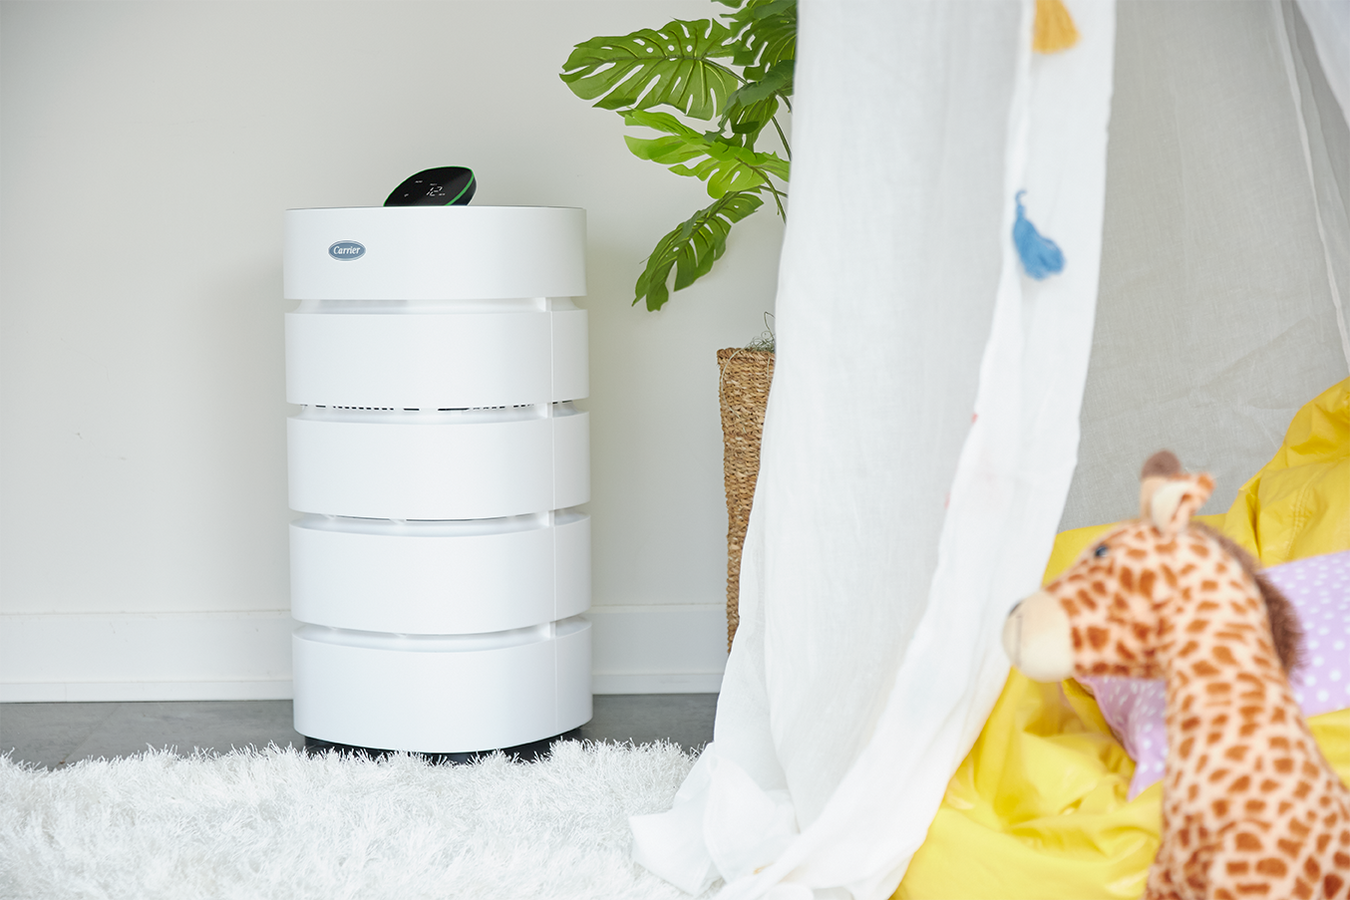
x=279 y=824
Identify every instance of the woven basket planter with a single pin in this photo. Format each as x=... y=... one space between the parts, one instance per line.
x=744 y=394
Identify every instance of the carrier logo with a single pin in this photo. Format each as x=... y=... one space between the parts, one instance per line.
x=347 y=250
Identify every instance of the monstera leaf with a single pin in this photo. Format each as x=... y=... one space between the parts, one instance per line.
x=692 y=248
x=724 y=165
x=754 y=105
x=692 y=68
x=671 y=66
x=766 y=34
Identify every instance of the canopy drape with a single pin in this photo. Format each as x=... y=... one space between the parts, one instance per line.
x=923 y=428
x=920 y=437
x=1225 y=257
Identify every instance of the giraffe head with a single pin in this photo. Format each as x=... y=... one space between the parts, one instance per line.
x=1115 y=610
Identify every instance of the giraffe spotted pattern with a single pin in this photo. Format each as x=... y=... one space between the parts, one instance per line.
x=1250 y=806
x=1318 y=588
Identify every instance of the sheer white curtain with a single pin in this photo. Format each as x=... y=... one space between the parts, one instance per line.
x=920 y=438
x=1226 y=249
x=1329 y=27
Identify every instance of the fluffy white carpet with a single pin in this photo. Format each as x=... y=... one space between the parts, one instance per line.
x=279 y=824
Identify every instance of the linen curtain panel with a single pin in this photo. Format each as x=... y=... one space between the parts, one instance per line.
x=920 y=437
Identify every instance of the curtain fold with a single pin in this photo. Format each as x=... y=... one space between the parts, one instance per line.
x=1225 y=249
x=1329 y=24
x=919 y=442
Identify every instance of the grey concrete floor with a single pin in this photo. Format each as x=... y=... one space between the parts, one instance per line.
x=58 y=734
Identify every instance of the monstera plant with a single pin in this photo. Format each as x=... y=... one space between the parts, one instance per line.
x=731 y=73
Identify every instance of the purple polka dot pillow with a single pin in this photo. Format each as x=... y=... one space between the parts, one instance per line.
x=1319 y=588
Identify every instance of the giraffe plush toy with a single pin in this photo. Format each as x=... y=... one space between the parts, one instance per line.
x=1250 y=806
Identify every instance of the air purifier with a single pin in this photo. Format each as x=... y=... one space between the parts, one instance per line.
x=440 y=565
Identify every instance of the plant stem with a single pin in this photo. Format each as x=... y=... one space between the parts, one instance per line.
x=782 y=137
x=777 y=199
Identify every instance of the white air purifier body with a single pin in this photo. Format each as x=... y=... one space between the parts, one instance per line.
x=440 y=566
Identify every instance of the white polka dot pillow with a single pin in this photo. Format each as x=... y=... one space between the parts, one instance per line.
x=1319 y=588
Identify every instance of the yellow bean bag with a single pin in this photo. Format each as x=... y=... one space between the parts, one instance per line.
x=1299 y=504
x=1038 y=808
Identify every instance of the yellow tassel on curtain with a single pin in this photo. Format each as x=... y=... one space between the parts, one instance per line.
x=1055 y=30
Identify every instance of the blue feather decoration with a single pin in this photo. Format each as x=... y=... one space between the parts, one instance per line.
x=1041 y=257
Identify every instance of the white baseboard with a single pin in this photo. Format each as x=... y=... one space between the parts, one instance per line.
x=658 y=649
x=127 y=691
x=146 y=656
x=639 y=683
x=247 y=655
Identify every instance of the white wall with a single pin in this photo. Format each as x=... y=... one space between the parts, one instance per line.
x=147 y=151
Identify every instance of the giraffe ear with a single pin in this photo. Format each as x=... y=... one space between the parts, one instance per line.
x=1171 y=503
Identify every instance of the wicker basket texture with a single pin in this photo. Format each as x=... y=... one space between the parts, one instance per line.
x=744 y=394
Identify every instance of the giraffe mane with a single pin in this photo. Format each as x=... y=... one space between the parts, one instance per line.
x=1285 y=629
